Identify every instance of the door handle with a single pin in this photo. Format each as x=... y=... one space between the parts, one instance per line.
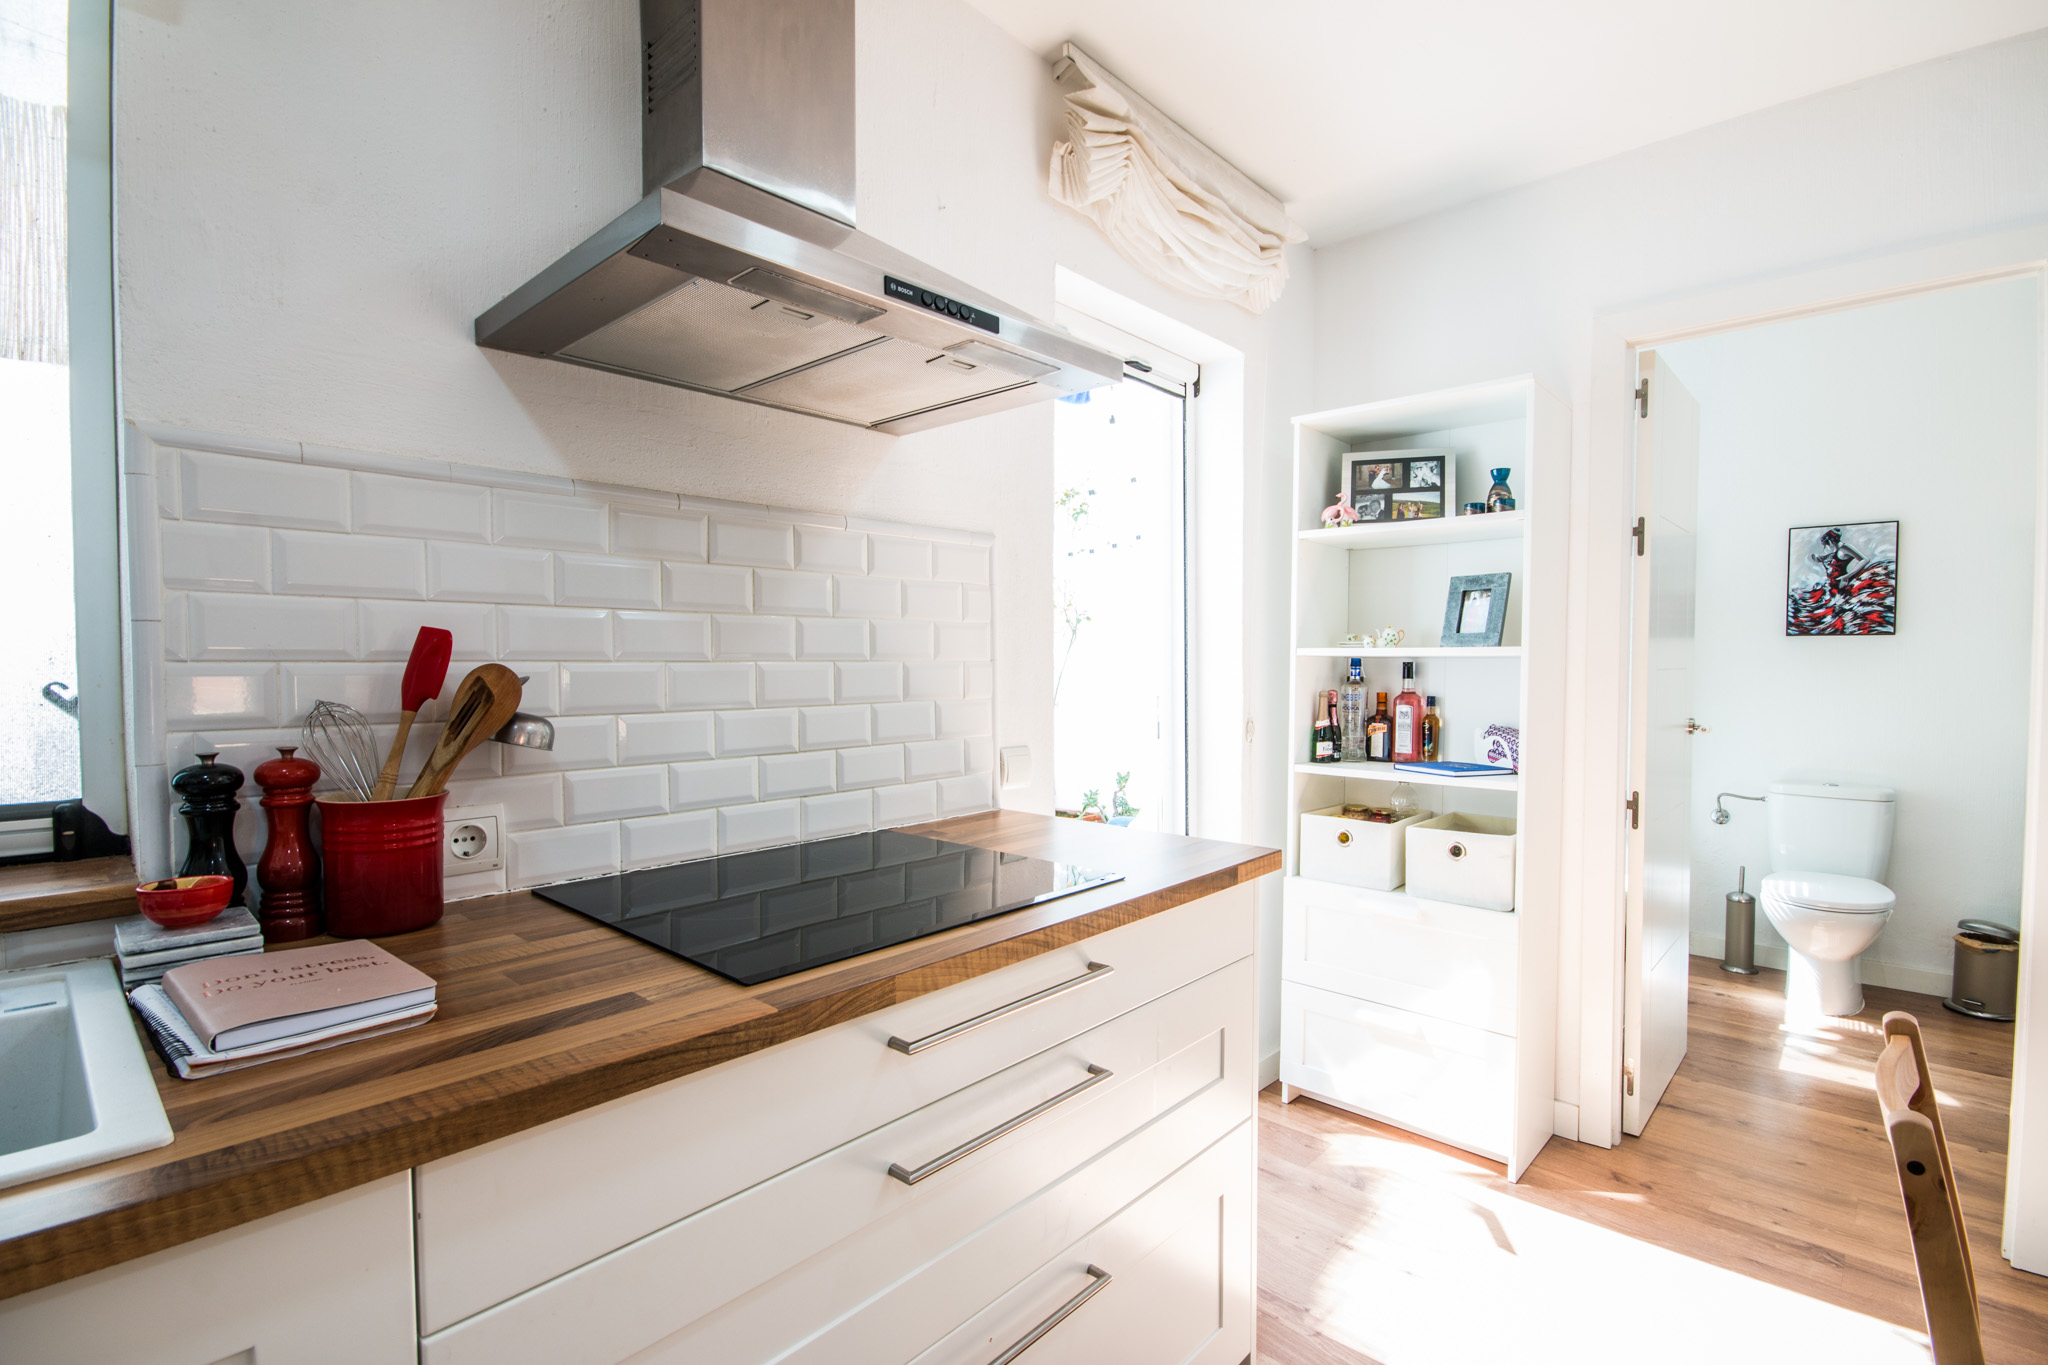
x=1693 y=727
x=1098 y=1280
x=1096 y=1076
x=912 y=1046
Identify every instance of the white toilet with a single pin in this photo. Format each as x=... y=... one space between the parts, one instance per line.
x=1830 y=844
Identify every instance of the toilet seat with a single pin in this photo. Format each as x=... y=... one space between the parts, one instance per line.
x=1828 y=891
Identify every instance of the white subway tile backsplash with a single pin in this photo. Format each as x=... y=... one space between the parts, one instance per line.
x=870 y=681
x=758 y=826
x=263 y=492
x=246 y=626
x=903 y=640
x=517 y=479
x=840 y=813
x=373 y=462
x=897 y=557
x=896 y=722
x=330 y=565
x=215 y=558
x=614 y=793
x=489 y=573
x=793 y=594
x=838 y=638
x=533 y=802
x=670 y=737
x=933 y=681
x=698 y=786
x=755 y=732
x=661 y=839
x=753 y=637
x=873 y=599
x=758 y=544
x=932 y=601
x=548 y=523
x=710 y=687
x=934 y=758
x=146 y=729
x=909 y=805
x=621 y=492
x=387 y=506
x=540 y=856
x=371 y=688
x=964 y=642
x=960 y=795
x=555 y=632
x=225 y=443
x=660 y=635
x=177 y=620
x=198 y=696
x=834 y=727
x=793 y=684
x=142 y=532
x=959 y=719
x=981 y=754
x=977 y=604
x=658 y=535
x=388 y=629
x=827 y=551
x=981 y=680
x=879 y=766
x=960 y=563
x=603 y=581
x=786 y=775
x=580 y=742
x=540 y=693
x=610 y=689
x=708 y=587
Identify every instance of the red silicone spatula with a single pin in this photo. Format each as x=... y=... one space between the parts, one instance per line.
x=425 y=671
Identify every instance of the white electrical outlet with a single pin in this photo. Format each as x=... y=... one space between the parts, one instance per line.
x=472 y=840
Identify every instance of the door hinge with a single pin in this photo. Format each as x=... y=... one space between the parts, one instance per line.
x=1635 y=810
x=1628 y=1079
x=1641 y=532
x=1643 y=399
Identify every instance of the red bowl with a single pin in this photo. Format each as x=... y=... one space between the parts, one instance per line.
x=180 y=902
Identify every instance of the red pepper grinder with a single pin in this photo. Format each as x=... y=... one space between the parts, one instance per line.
x=289 y=868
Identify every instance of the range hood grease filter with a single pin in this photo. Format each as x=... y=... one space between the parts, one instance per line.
x=740 y=272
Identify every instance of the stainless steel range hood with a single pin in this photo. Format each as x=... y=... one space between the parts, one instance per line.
x=740 y=273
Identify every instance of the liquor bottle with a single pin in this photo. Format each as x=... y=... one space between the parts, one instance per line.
x=1408 y=719
x=1323 y=748
x=1351 y=715
x=1432 y=733
x=1379 y=735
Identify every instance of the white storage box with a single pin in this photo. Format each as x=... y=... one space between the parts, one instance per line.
x=1463 y=859
x=1354 y=852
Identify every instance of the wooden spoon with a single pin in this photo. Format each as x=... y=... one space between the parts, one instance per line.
x=483 y=702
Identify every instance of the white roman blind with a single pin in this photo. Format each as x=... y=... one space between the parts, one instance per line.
x=1172 y=207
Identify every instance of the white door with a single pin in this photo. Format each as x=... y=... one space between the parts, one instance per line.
x=1660 y=755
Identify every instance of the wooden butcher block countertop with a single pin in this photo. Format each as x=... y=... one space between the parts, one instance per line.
x=543 y=1013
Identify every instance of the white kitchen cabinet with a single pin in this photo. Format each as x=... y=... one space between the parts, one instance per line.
x=329 y=1283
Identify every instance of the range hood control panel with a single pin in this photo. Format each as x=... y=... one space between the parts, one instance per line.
x=939 y=303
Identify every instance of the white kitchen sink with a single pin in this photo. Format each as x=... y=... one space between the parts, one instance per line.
x=75 y=1089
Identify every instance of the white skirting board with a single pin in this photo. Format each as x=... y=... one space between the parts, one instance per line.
x=1564 y=1120
x=1921 y=979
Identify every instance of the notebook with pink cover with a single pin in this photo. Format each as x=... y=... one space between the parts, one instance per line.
x=236 y=1001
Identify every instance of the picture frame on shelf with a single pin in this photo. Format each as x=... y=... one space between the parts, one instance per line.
x=1400 y=485
x=1476 y=611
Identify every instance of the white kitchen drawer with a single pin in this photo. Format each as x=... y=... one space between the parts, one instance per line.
x=1179 y=1286
x=518 y=1212
x=1184 y=1063
x=1448 y=961
x=1443 y=1080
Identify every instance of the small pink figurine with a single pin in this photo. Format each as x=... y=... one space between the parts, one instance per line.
x=1339 y=513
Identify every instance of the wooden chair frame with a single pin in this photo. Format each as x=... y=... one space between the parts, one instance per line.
x=1927 y=1180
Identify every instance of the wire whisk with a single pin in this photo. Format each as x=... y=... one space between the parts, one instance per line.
x=344 y=746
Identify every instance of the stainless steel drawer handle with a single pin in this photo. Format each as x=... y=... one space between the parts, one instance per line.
x=1096 y=1076
x=1096 y=971
x=1098 y=1280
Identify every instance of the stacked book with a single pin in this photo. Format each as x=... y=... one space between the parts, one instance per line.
x=224 y=1014
x=145 y=951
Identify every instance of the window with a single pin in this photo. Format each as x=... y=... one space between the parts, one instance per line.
x=60 y=688
x=1120 y=742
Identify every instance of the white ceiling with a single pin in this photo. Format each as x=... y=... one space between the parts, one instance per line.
x=1363 y=113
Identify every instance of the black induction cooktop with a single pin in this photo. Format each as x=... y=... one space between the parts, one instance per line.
x=757 y=916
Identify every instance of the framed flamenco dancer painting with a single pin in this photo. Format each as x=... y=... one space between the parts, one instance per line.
x=1843 y=579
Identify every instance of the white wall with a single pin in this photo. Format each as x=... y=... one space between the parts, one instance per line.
x=1920 y=411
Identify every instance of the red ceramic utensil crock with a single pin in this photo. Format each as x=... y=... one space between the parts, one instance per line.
x=380 y=865
x=183 y=901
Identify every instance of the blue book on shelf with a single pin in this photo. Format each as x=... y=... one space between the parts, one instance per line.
x=1454 y=769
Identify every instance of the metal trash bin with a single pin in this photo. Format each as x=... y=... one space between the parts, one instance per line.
x=1987 y=976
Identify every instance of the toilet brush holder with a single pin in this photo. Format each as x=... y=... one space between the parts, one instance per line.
x=1738 y=947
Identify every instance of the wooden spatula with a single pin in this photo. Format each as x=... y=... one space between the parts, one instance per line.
x=425 y=671
x=483 y=702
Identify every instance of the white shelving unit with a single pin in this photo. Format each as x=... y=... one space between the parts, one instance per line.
x=1434 y=1017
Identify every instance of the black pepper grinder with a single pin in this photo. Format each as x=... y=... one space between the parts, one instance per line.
x=209 y=790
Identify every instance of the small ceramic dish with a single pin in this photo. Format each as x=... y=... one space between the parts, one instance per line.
x=180 y=902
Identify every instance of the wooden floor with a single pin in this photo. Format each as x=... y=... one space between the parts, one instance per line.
x=1757 y=1220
